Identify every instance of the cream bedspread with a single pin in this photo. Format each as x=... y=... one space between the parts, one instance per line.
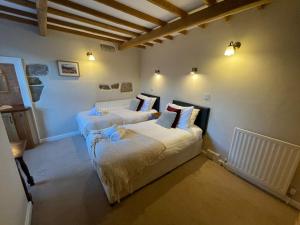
x=120 y=162
x=114 y=116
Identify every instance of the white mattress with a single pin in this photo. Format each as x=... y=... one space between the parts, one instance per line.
x=181 y=145
x=119 y=116
x=173 y=139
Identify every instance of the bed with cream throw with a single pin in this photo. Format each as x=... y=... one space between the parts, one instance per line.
x=146 y=152
x=115 y=112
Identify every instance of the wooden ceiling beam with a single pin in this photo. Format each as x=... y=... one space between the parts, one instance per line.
x=206 y=15
x=140 y=46
x=227 y=18
x=18 y=19
x=58 y=28
x=23 y=3
x=41 y=7
x=64 y=23
x=210 y=2
x=99 y=14
x=67 y=30
x=158 y=41
x=148 y=44
x=76 y=17
x=166 y=5
x=88 y=29
x=18 y=12
x=184 y=32
x=203 y=26
x=131 y=11
x=170 y=37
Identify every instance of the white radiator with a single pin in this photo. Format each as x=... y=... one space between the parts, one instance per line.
x=267 y=162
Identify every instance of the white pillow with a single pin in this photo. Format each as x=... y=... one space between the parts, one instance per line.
x=185 y=115
x=148 y=102
x=194 y=115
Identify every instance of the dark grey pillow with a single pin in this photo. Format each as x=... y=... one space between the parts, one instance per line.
x=166 y=119
x=134 y=103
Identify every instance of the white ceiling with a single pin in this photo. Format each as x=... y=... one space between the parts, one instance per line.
x=141 y=5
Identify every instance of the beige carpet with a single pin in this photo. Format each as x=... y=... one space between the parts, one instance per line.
x=200 y=192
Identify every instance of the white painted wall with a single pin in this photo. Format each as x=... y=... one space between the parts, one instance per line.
x=257 y=89
x=13 y=203
x=63 y=97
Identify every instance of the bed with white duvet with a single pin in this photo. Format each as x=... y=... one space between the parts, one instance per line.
x=116 y=112
x=146 y=151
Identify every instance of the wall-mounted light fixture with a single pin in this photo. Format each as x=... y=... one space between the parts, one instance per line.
x=230 y=50
x=90 y=56
x=194 y=70
x=157 y=72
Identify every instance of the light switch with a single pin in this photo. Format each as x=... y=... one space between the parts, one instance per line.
x=206 y=97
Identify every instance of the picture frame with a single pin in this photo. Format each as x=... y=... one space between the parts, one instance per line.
x=68 y=68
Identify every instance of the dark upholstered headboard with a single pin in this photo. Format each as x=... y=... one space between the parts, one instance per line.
x=203 y=116
x=157 y=102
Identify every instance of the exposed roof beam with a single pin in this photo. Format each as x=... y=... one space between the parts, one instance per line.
x=17 y=19
x=23 y=3
x=99 y=14
x=141 y=46
x=164 y=4
x=158 y=41
x=58 y=28
x=88 y=29
x=76 y=17
x=227 y=18
x=206 y=15
x=170 y=37
x=66 y=30
x=131 y=11
x=184 y=32
x=18 y=12
x=148 y=44
x=203 y=26
x=210 y=2
x=41 y=7
x=64 y=23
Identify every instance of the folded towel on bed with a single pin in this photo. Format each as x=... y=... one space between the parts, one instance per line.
x=94 y=112
x=113 y=133
x=119 y=163
x=118 y=135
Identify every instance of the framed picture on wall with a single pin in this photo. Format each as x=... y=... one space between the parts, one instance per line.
x=68 y=68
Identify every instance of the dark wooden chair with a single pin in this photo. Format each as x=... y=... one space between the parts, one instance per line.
x=18 y=149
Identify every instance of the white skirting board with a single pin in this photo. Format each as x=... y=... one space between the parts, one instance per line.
x=28 y=214
x=59 y=137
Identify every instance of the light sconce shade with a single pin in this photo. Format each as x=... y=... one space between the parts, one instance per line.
x=194 y=70
x=91 y=56
x=157 y=72
x=230 y=50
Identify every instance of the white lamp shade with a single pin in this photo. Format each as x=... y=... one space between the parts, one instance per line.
x=92 y=57
x=229 y=51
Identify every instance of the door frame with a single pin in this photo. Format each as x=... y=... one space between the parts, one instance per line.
x=23 y=85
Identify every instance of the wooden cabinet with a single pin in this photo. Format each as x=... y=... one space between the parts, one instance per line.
x=16 y=121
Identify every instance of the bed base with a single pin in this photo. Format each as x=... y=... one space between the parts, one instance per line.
x=154 y=172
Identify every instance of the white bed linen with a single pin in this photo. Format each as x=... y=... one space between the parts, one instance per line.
x=176 y=141
x=87 y=122
x=173 y=138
